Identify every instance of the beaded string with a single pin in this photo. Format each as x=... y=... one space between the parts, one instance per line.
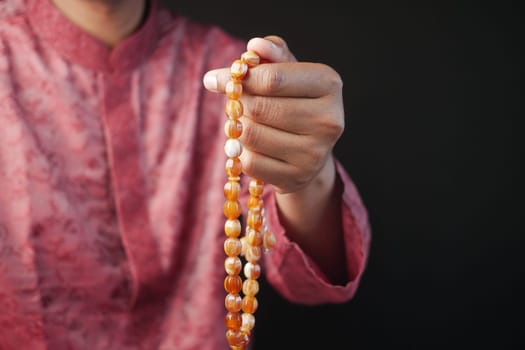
x=240 y=307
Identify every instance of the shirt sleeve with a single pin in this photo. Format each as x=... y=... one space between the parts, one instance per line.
x=296 y=276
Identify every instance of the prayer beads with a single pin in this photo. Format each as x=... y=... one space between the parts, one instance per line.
x=241 y=302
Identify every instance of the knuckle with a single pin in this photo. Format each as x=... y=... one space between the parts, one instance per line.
x=250 y=134
x=333 y=126
x=263 y=109
x=271 y=80
x=314 y=155
x=333 y=78
x=258 y=107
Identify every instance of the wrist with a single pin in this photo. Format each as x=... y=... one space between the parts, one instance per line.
x=304 y=210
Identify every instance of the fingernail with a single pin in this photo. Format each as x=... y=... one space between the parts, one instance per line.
x=275 y=47
x=210 y=81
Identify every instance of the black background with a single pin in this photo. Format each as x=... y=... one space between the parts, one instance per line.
x=432 y=97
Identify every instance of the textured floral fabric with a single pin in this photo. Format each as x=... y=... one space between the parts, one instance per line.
x=111 y=176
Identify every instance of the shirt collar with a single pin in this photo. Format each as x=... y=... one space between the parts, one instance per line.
x=78 y=46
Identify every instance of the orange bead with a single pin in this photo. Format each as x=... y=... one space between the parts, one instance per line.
x=233 y=167
x=252 y=270
x=244 y=244
x=254 y=237
x=232 y=228
x=254 y=219
x=233 y=302
x=232 y=209
x=233 y=128
x=254 y=202
x=256 y=187
x=253 y=253
x=232 y=189
x=237 y=339
x=233 y=320
x=249 y=304
x=232 y=246
x=250 y=58
x=233 y=89
x=248 y=322
x=238 y=69
x=234 y=109
x=269 y=240
x=233 y=284
x=250 y=287
x=232 y=265
x=240 y=347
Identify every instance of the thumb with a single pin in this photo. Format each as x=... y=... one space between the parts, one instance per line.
x=271 y=48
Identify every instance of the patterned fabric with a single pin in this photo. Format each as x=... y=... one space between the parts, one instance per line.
x=111 y=176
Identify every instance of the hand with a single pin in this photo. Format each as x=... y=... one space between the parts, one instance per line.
x=293 y=116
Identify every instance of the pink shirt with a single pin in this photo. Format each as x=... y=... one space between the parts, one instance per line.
x=111 y=177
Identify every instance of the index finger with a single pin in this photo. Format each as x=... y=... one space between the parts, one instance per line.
x=284 y=79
